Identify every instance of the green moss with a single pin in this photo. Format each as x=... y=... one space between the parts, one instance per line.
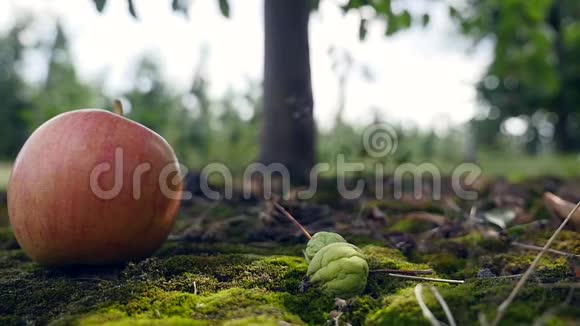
x=568 y=241
x=467 y=301
x=401 y=206
x=464 y=256
x=556 y=321
x=387 y=258
x=327 y=193
x=281 y=273
x=10 y=257
x=446 y=264
x=359 y=309
x=476 y=243
x=171 y=321
x=276 y=273
x=539 y=210
x=485 y=295
x=256 y=321
x=174 y=248
x=384 y=257
x=399 y=309
x=231 y=307
x=216 y=210
x=361 y=240
x=411 y=226
x=173 y=280
x=208 y=284
x=313 y=307
x=39 y=299
x=7 y=239
x=550 y=267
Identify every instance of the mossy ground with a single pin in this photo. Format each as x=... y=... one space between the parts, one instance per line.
x=258 y=282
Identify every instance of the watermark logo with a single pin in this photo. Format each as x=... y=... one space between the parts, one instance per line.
x=380 y=140
x=422 y=180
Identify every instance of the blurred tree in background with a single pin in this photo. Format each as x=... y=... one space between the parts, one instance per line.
x=535 y=73
x=13 y=131
x=288 y=130
x=533 y=78
x=200 y=129
x=61 y=90
x=25 y=106
x=152 y=102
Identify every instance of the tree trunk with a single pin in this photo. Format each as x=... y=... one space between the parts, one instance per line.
x=288 y=134
x=562 y=137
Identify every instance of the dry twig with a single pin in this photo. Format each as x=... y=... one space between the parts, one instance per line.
x=536 y=248
x=402 y=271
x=443 y=305
x=430 y=279
x=291 y=218
x=426 y=312
x=501 y=310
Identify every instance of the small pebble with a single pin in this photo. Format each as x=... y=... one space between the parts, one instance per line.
x=485 y=273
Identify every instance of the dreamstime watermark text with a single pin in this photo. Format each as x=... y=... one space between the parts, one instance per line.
x=423 y=180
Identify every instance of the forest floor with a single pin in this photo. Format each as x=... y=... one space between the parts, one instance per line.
x=240 y=263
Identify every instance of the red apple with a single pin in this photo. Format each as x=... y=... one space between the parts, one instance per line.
x=66 y=208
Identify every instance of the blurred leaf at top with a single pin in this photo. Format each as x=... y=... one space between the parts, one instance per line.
x=534 y=74
x=181 y=6
x=132 y=10
x=100 y=4
x=396 y=21
x=225 y=7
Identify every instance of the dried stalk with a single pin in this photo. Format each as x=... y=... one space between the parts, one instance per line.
x=501 y=310
x=402 y=271
x=443 y=305
x=426 y=312
x=536 y=248
x=429 y=279
x=291 y=218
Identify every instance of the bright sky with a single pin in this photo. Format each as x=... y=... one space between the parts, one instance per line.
x=422 y=76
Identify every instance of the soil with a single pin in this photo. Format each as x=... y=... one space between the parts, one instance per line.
x=240 y=262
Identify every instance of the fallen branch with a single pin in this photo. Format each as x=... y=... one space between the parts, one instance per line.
x=502 y=308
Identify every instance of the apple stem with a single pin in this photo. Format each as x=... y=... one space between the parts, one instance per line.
x=118 y=107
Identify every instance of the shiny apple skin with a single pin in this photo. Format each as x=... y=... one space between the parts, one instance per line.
x=56 y=216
